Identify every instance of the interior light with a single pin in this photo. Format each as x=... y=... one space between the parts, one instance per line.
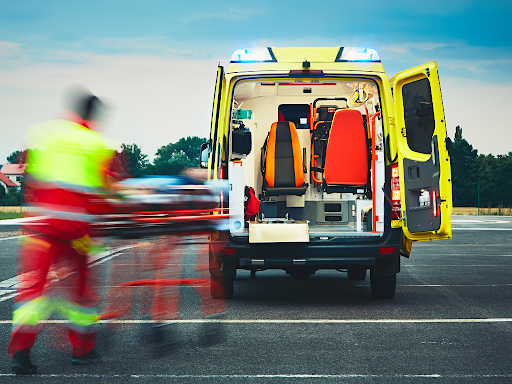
x=252 y=55
x=358 y=54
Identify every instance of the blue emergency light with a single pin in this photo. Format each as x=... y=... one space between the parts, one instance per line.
x=253 y=55
x=358 y=54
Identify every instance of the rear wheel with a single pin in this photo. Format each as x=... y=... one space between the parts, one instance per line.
x=356 y=273
x=221 y=287
x=383 y=287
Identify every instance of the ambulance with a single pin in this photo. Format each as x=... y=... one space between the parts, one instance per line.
x=348 y=167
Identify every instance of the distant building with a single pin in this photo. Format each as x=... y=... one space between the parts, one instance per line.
x=7 y=183
x=14 y=172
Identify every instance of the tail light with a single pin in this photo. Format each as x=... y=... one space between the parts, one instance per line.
x=228 y=251
x=434 y=203
x=386 y=250
x=395 y=190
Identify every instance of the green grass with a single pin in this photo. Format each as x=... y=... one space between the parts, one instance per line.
x=500 y=211
x=9 y=215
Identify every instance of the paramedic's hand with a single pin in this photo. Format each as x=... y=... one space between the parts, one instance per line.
x=82 y=245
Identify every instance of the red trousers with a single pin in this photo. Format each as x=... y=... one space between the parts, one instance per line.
x=49 y=266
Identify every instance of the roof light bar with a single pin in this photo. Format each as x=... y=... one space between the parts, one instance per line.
x=253 y=55
x=358 y=54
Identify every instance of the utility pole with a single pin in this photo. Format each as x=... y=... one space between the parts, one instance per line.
x=21 y=197
x=478 y=197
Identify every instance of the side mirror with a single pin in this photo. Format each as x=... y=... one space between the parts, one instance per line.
x=448 y=143
x=205 y=152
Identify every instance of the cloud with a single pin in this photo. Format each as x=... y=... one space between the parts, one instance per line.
x=424 y=46
x=475 y=66
x=477 y=107
x=146 y=44
x=154 y=100
x=8 y=48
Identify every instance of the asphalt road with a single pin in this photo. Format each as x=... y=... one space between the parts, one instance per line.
x=450 y=321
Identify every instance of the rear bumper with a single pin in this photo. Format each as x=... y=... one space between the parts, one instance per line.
x=311 y=262
x=380 y=254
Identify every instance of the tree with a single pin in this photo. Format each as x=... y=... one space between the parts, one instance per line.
x=171 y=166
x=173 y=158
x=493 y=173
x=463 y=157
x=190 y=147
x=17 y=157
x=130 y=161
x=12 y=198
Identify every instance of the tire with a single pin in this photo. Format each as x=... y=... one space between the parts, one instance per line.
x=221 y=287
x=356 y=273
x=300 y=275
x=383 y=287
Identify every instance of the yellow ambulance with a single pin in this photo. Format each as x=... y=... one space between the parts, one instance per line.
x=348 y=167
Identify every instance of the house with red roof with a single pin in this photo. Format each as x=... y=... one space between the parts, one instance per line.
x=6 y=183
x=14 y=172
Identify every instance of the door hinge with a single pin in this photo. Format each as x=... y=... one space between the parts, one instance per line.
x=427 y=71
x=403 y=132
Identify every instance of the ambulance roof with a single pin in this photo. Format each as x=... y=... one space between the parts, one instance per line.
x=314 y=59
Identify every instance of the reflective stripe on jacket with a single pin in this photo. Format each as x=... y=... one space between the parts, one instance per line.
x=27 y=314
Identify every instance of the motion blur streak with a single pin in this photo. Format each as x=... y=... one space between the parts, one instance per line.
x=66 y=175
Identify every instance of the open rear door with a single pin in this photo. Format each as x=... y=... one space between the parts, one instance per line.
x=424 y=163
x=215 y=149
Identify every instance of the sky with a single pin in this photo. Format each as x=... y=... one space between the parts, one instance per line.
x=154 y=62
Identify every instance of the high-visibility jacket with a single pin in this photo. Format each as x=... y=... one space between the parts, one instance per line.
x=66 y=166
x=68 y=154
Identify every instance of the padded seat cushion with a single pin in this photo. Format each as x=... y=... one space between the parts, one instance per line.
x=346 y=159
x=284 y=158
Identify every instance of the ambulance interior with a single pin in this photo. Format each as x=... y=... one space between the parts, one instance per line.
x=339 y=152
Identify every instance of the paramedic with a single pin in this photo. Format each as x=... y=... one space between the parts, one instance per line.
x=66 y=178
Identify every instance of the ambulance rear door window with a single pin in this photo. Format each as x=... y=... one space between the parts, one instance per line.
x=419 y=115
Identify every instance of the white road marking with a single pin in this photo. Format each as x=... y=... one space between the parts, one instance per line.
x=274 y=376
x=449 y=285
x=456 y=265
x=445 y=255
x=481 y=229
x=287 y=321
x=21 y=220
x=467 y=221
x=93 y=260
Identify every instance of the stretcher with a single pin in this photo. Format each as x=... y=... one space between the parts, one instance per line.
x=152 y=206
x=159 y=207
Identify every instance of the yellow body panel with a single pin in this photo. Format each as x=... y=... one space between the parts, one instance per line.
x=425 y=71
x=288 y=59
x=285 y=68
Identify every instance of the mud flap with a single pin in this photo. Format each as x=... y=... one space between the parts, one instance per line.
x=386 y=267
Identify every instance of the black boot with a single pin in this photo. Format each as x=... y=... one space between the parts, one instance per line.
x=22 y=365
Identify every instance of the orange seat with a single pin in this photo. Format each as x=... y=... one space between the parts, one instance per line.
x=346 y=159
x=283 y=169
